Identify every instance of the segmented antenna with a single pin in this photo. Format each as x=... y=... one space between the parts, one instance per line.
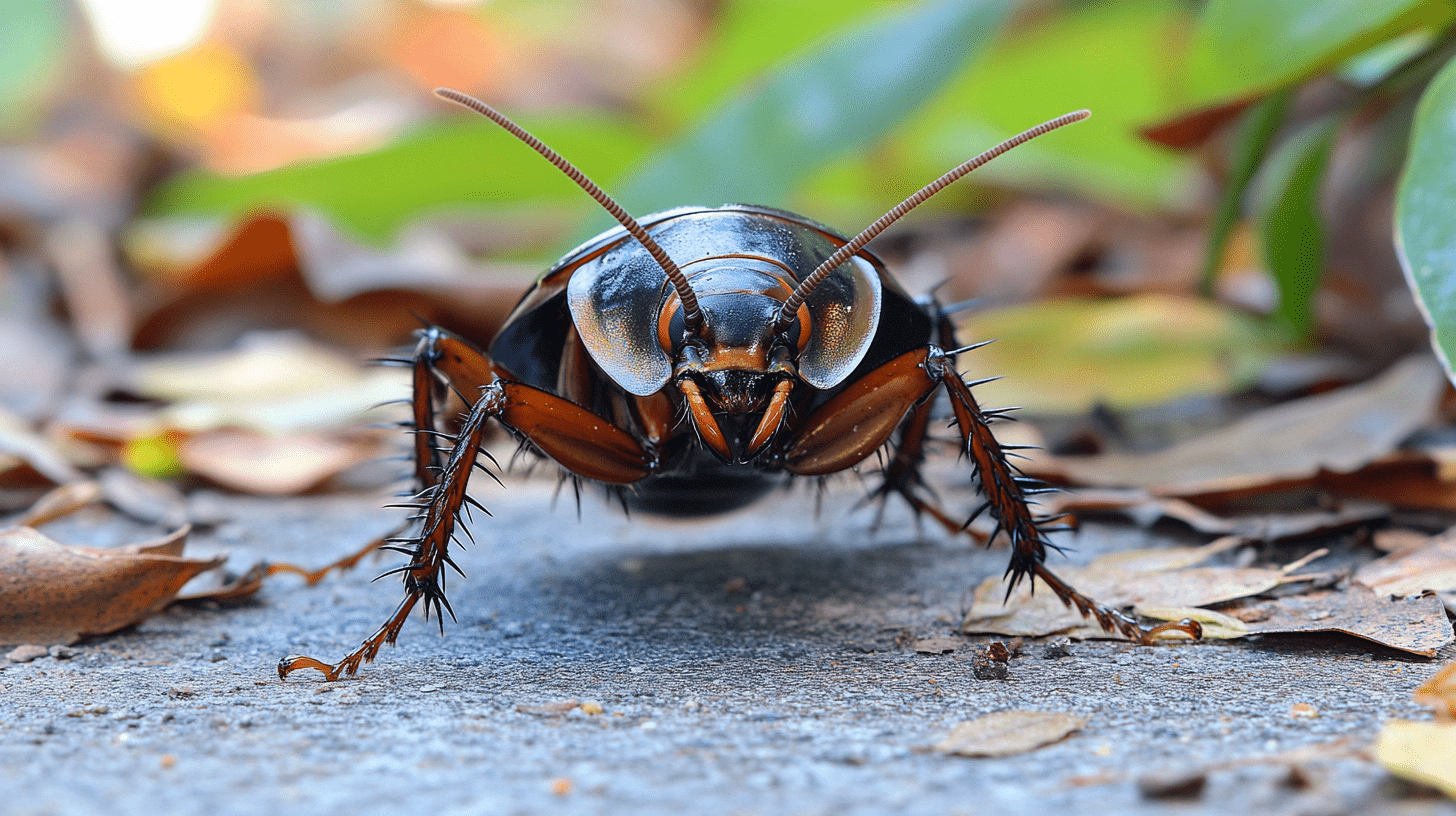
x=692 y=316
x=844 y=253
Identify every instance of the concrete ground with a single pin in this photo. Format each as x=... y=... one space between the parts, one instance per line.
x=752 y=663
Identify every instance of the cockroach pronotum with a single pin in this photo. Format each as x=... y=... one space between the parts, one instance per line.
x=702 y=347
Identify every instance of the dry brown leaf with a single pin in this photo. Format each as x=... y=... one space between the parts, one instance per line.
x=1440 y=693
x=53 y=593
x=1413 y=570
x=61 y=501
x=1423 y=752
x=1403 y=479
x=271 y=465
x=22 y=447
x=1337 y=431
x=1192 y=128
x=1009 y=732
x=1416 y=625
x=1145 y=509
x=232 y=589
x=303 y=272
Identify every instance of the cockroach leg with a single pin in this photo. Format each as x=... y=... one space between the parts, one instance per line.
x=901 y=475
x=428 y=552
x=1006 y=492
x=572 y=435
x=312 y=577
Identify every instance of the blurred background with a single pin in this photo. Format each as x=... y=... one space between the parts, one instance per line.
x=211 y=211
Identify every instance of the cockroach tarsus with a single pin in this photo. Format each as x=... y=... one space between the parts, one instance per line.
x=701 y=349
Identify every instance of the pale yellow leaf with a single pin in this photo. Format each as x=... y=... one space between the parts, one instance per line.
x=1009 y=732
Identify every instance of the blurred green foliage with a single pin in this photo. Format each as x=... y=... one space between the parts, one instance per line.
x=32 y=37
x=840 y=109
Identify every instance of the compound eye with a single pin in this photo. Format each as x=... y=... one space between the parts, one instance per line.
x=844 y=312
x=614 y=302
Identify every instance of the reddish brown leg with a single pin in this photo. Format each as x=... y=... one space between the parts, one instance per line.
x=1006 y=493
x=901 y=475
x=859 y=419
x=428 y=354
x=573 y=436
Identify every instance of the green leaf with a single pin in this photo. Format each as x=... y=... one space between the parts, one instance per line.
x=749 y=38
x=1290 y=227
x=463 y=163
x=1111 y=58
x=1425 y=211
x=32 y=45
x=1251 y=141
x=1246 y=47
x=842 y=96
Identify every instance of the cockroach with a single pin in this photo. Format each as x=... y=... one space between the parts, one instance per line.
x=698 y=358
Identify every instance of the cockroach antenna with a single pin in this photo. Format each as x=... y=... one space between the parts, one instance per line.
x=855 y=244
x=692 y=316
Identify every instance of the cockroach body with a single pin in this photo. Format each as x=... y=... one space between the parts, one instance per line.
x=698 y=358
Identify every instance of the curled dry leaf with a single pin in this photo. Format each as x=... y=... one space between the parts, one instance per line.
x=1338 y=431
x=1414 y=569
x=302 y=271
x=1415 y=625
x=62 y=501
x=273 y=382
x=1145 y=509
x=1009 y=732
x=232 y=589
x=21 y=449
x=272 y=416
x=1216 y=625
x=54 y=593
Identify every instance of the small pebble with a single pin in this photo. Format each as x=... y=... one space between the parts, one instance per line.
x=61 y=652
x=591 y=707
x=1172 y=784
x=26 y=653
x=1057 y=649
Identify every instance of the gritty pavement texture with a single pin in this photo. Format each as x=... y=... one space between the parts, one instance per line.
x=751 y=663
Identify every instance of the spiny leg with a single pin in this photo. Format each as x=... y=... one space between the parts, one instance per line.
x=579 y=440
x=901 y=474
x=428 y=552
x=1006 y=493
